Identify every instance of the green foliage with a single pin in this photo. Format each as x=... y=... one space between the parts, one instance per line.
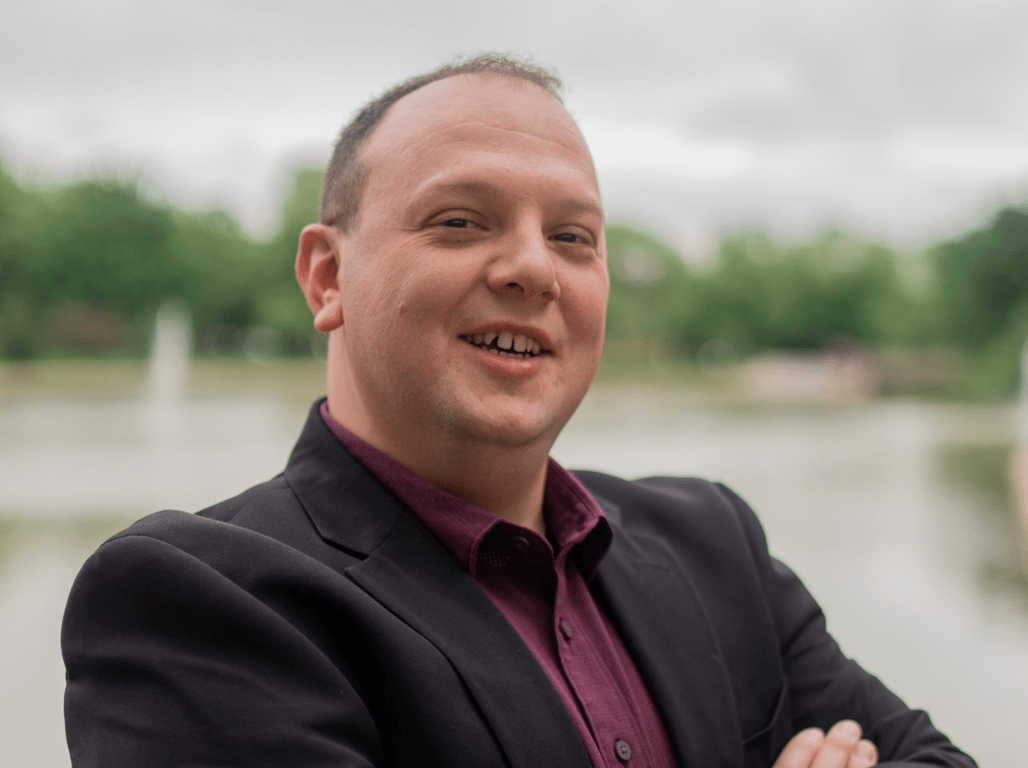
x=80 y=261
x=981 y=299
x=84 y=267
x=651 y=292
x=983 y=279
x=282 y=305
x=104 y=244
x=758 y=294
x=18 y=314
x=223 y=268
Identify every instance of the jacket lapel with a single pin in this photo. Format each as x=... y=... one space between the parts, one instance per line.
x=416 y=578
x=408 y=570
x=663 y=623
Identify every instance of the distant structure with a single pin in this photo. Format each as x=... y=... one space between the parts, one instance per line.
x=1019 y=458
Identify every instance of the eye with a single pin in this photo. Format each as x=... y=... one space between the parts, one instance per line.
x=568 y=237
x=457 y=223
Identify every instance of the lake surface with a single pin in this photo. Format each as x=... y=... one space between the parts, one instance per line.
x=899 y=515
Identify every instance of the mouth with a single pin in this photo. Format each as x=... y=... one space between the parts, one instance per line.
x=519 y=346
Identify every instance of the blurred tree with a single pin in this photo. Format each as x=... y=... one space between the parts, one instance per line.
x=19 y=315
x=87 y=258
x=759 y=294
x=281 y=304
x=651 y=292
x=104 y=244
x=983 y=278
x=981 y=301
x=83 y=268
x=222 y=267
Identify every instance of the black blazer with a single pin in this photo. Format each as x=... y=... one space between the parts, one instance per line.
x=314 y=621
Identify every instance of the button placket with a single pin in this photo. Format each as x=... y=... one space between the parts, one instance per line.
x=563 y=625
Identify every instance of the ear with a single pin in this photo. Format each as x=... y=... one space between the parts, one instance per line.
x=317 y=272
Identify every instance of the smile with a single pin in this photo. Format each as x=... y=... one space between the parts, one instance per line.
x=506 y=344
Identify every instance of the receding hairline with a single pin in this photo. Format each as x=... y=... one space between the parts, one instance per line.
x=398 y=115
x=469 y=77
x=347 y=171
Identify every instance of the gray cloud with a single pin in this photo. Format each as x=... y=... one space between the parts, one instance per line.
x=889 y=113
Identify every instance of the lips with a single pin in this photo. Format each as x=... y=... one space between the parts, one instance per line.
x=520 y=346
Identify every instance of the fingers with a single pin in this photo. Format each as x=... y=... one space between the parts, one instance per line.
x=841 y=747
x=864 y=755
x=839 y=744
x=801 y=749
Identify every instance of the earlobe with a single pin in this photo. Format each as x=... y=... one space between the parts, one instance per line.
x=317 y=272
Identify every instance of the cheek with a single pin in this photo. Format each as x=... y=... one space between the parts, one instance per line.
x=384 y=292
x=587 y=307
x=432 y=292
x=417 y=301
x=369 y=312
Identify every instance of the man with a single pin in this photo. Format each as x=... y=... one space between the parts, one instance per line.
x=423 y=586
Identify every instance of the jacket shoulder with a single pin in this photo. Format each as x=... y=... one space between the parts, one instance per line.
x=268 y=518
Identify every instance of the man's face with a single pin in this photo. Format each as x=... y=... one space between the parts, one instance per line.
x=474 y=284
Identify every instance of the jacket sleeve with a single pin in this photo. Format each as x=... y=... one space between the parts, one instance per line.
x=825 y=686
x=171 y=663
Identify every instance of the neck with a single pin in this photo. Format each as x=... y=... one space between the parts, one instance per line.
x=509 y=482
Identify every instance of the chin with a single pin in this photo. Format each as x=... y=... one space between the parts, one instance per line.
x=511 y=430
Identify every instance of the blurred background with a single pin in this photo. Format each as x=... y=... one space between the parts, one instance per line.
x=818 y=245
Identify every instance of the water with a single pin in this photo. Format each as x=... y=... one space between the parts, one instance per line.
x=897 y=514
x=900 y=517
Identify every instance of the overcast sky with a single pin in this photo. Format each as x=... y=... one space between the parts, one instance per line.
x=899 y=119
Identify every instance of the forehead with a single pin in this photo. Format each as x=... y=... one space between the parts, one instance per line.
x=466 y=116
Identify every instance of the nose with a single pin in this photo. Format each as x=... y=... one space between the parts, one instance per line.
x=524 y=267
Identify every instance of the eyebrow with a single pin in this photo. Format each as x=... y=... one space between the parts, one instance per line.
x=479 y=187
x=584 y=206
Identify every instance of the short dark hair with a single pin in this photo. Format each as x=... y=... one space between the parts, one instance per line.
x=343 y=187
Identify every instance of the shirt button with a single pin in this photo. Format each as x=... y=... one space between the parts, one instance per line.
x=565 y=629
x=622 y=750
x=520 y=543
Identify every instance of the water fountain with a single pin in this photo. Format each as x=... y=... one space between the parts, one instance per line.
x=168 y=372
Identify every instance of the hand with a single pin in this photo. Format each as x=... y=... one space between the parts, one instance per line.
x=841 y=748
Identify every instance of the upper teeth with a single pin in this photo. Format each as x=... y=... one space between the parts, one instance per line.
x=508 y=342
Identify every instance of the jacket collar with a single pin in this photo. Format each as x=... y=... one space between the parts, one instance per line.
x=347 y=504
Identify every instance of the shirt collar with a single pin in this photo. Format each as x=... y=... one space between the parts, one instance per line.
x=573 y=518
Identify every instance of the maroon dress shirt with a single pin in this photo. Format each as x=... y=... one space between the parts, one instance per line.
x=542 y=590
